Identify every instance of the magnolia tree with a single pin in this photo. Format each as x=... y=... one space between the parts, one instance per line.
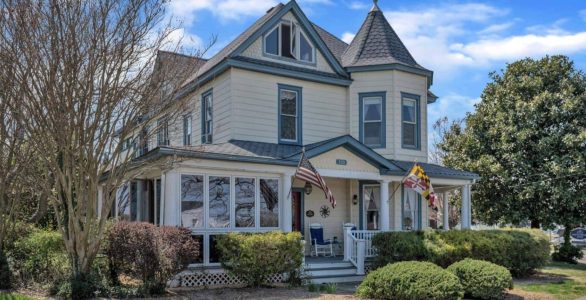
x=527 y=140
x=86 y=77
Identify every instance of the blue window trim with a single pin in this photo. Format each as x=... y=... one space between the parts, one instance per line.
x=302 y=202
x=383 y=96
x=417 y=99
x=361 y=185
x=203 y=95
x=299 y=91
x=419 y=225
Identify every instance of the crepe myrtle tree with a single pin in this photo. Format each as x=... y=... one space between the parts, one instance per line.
x=527 y=140
x=88 y=77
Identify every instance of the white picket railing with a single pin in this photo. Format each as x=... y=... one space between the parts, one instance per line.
x=367 y=236
x=358 y=246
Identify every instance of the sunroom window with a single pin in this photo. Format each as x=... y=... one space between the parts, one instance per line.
x=287 y=40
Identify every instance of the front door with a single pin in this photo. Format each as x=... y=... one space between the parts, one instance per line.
x=297 y=209
x=370 y=205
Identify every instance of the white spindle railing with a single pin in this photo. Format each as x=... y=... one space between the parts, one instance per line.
x=367 y=236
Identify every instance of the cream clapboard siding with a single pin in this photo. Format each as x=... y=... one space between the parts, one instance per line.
x=393 y=83
x=255 y=51
x=255 y=116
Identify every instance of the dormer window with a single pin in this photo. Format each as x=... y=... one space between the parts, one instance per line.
x=288 y=41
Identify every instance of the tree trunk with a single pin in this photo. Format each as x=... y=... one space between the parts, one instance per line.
x=567 y=237
x=535 y=224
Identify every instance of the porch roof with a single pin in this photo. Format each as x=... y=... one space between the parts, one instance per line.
x=289 y=155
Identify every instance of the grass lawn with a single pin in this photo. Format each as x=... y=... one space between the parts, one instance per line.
x=558 y=280
x=10 y=296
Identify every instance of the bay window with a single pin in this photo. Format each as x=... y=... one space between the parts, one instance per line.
x=372 y=119
x=410 y=119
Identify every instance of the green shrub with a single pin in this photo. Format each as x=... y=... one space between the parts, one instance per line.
x=520 y=251
x=481 y=279
x=40 y=257
x=567 y=252
x=410 y=280
x=254 y=257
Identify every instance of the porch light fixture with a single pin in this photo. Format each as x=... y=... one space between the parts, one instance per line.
x=308 y=188
x=355 y=199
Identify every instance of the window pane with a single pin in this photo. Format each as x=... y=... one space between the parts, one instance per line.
x=372 y=203
x=199 y=240
x=409 y=110
x=294 y=40
x=192 y=201
x=219 y=202
x=245 y=195
x=272 y=42
x=123 y=199
x=269 y=203
x=372 y=133
x=286 y=41
x=306 y=50
x=409 y=134
x=214 y=251
x=372 y=109
x=288 y=128
x=410 y=210
x=288 y=102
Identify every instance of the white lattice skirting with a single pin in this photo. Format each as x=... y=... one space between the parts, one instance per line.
x=213 y=277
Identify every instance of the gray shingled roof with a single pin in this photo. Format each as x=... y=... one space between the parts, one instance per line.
x=226 y=51
x=336 y=45
x=376 y=43
x=434 y=170
x=271 y=153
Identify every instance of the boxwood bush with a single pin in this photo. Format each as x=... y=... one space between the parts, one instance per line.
x=253 y=257
x=520 y=251
x=481 y=279
x=410 y=280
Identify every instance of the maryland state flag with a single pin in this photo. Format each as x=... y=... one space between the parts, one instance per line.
x=419 y=181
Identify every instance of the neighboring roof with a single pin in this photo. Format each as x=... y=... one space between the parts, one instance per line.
x=376 y=43
x=431 y=97
x=289 y=155
x=336 y=45
x=433 y=170
x=243 y=37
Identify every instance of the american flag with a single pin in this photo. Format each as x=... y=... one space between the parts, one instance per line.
x=307 y=172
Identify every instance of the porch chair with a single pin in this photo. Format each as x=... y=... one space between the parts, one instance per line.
x=320 y=245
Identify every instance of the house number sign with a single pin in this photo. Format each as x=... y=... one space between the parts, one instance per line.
x=341 y=162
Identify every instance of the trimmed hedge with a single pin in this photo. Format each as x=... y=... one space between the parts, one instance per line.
x=410 y=280
x=253 y=257
x=481 y=279
x=520 y=251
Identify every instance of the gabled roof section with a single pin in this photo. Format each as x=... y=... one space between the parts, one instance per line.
x=376 y=43
x=336 y=45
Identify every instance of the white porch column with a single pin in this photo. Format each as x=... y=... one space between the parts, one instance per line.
x=465 y=218
x=446 y=221
x=384 y=205
x=287 y=203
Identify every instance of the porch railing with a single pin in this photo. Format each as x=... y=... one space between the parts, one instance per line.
x=358 y=246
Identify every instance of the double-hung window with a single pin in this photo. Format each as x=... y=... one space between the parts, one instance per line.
x=289 y=114
x=410 y=119
x=372 y=119
x=162 y=132
x=207 y=125
x=187 y=130
x=289 y=41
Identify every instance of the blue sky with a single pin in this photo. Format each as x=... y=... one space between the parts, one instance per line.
x=461 y=41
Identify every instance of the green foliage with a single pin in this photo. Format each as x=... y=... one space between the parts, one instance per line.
x=149 y=253
x=566 y=252
x=40 y=257
x=520 y=251
x=5 y=296
x=526 y=140
x=254 y=257
x=328 y=288
x=5 y=281
x=410 y=280
x=481 y=279
x=312 y=287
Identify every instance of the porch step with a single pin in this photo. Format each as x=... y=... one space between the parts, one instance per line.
x=331 y=271
x=336 y=279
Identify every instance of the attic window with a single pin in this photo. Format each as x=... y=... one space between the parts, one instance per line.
x=288 y=41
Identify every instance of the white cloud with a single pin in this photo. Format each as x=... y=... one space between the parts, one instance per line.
x=454 y=105
x=226 y=10
x=357 y=5
x=440 y=38
x=348 y=37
